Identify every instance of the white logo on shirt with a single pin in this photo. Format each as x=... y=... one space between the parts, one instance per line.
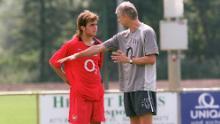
x=87 y=63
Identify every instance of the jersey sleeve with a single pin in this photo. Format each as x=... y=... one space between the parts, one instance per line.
x=101 y=61
x=59 y=54
x=150 y=43
x=112 y=43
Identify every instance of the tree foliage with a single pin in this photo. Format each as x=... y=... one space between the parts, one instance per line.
x=31 y=30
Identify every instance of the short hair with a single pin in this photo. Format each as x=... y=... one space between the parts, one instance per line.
x=84 y=18
x=127 y=8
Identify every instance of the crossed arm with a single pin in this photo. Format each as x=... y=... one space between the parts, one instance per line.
x=120 y=57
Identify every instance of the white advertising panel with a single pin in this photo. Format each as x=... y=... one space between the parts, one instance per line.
x=167 y=112
x=173 y=35
x=114 y=109
x=53 y=109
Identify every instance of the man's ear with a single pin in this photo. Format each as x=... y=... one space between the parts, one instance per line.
x=82 y=28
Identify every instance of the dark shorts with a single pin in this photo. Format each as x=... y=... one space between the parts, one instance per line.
x=140 y=102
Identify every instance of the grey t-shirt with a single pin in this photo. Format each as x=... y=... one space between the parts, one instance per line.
x=134 y=77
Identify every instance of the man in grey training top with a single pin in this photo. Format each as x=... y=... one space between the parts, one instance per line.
x=136 y=54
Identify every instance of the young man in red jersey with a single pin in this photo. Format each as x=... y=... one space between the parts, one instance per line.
x=83 y=74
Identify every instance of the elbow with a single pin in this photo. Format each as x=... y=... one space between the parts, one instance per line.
x=152 y=62
x=51 y=63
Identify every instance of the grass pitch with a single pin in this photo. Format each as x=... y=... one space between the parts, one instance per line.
x=18 y=109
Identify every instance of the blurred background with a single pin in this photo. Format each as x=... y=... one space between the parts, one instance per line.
x=31 y=30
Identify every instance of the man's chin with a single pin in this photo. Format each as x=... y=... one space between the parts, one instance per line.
x=125 y=27
x=92 y=35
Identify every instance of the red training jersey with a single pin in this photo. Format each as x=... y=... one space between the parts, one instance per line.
x=83 y=73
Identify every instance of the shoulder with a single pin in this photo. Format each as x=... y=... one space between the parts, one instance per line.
x=146 y=28
x=123 y=33
x=70 y=43
x=75 y=39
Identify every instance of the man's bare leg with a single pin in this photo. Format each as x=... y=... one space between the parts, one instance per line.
x=134 y=120
x=145 y=119
x=95 y=123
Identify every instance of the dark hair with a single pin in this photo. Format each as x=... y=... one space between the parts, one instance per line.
x=83 y=19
